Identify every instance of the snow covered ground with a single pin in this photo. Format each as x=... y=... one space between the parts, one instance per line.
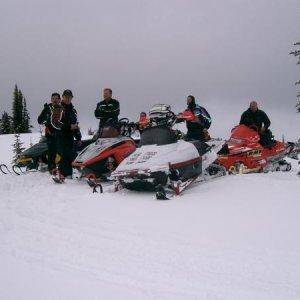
x=233 y=238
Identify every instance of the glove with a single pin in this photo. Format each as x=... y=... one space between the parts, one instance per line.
x=74 y=127
x=78 y=143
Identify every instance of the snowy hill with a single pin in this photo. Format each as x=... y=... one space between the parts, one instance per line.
x=233 y=238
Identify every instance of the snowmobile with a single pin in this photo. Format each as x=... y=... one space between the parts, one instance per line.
x=243 y=153
x=29 y=159
x=164 y=162
x=101 y=157
x=294 y=149
x=35 y=158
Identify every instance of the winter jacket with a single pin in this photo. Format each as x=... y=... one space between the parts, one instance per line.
x=69 y=117
x=45 y=119
x=106 y=110
x=258 y=119
x=204 y=120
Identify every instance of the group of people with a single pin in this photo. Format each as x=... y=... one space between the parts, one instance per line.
x=63 y=133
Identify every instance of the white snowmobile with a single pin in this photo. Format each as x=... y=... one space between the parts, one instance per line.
x=165 y=163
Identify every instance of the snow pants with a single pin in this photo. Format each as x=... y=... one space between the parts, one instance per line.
x=52 y=151
x=66 y=150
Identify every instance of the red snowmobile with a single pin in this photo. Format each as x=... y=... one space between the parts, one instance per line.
x=102 y=157
x=243 y=153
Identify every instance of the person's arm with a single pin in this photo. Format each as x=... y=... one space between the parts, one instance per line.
x=42 y=118
x=243 y=120
x=266 y=121
x=116 y=110
x=206 y=118
x=203 y=117
x=98 y=112
x=77 y=134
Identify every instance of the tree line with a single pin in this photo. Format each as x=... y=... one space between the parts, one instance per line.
x=19 y=120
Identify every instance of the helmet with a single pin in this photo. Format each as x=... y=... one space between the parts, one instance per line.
x=161 y=115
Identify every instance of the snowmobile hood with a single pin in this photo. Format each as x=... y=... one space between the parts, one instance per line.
x=154 y=158
x=35 y=150
x=98 y=147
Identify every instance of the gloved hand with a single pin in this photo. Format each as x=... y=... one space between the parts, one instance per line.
x=74 y=127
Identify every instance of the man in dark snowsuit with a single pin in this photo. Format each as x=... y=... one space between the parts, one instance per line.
x=69 y=130
x=258 y=119
x=197 y=129
x=50 y=131
x=108 y=109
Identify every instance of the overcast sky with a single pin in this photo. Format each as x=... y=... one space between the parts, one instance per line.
x=225 y=52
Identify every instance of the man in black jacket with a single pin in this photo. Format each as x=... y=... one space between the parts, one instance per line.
x=108 y=109
x=50 y=131
x=69 y=130
x=258 y=119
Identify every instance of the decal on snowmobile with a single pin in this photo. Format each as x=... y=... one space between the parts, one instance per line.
x=254 y=153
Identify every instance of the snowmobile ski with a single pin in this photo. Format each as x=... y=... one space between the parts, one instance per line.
x=4 y=169
x=161 y=193
x=18 y=170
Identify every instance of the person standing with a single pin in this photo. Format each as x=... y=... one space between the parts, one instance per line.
x=108 y=109
x=45 y=118
x=66 y=136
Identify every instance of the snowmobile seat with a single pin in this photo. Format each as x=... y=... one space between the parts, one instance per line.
x=200 y=146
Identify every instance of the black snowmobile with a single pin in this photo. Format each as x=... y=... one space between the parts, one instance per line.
x=35 y=158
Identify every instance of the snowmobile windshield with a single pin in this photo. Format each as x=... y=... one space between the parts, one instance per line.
x=158 y=136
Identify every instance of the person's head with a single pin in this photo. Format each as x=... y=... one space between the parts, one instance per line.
x=67 y=96
x=253 y=106
x=107 y=93
x=143 y=114
x=190 y=101
x=55 y=98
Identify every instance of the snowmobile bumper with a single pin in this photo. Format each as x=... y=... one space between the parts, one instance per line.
x=141 y=180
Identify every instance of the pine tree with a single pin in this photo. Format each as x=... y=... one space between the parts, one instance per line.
x=17 y=147
x=20 y=116
x=26 y=118
x=5 y=126
x=17 y=110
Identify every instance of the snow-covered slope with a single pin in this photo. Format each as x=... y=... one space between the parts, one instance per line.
x=233 y=238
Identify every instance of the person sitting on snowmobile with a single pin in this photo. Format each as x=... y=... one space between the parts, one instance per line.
x=159 y=129
x=108 y=109
x=68 y=130
x=50 y=131
x=258 y=120
x=197 y=128
x=143 y=122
